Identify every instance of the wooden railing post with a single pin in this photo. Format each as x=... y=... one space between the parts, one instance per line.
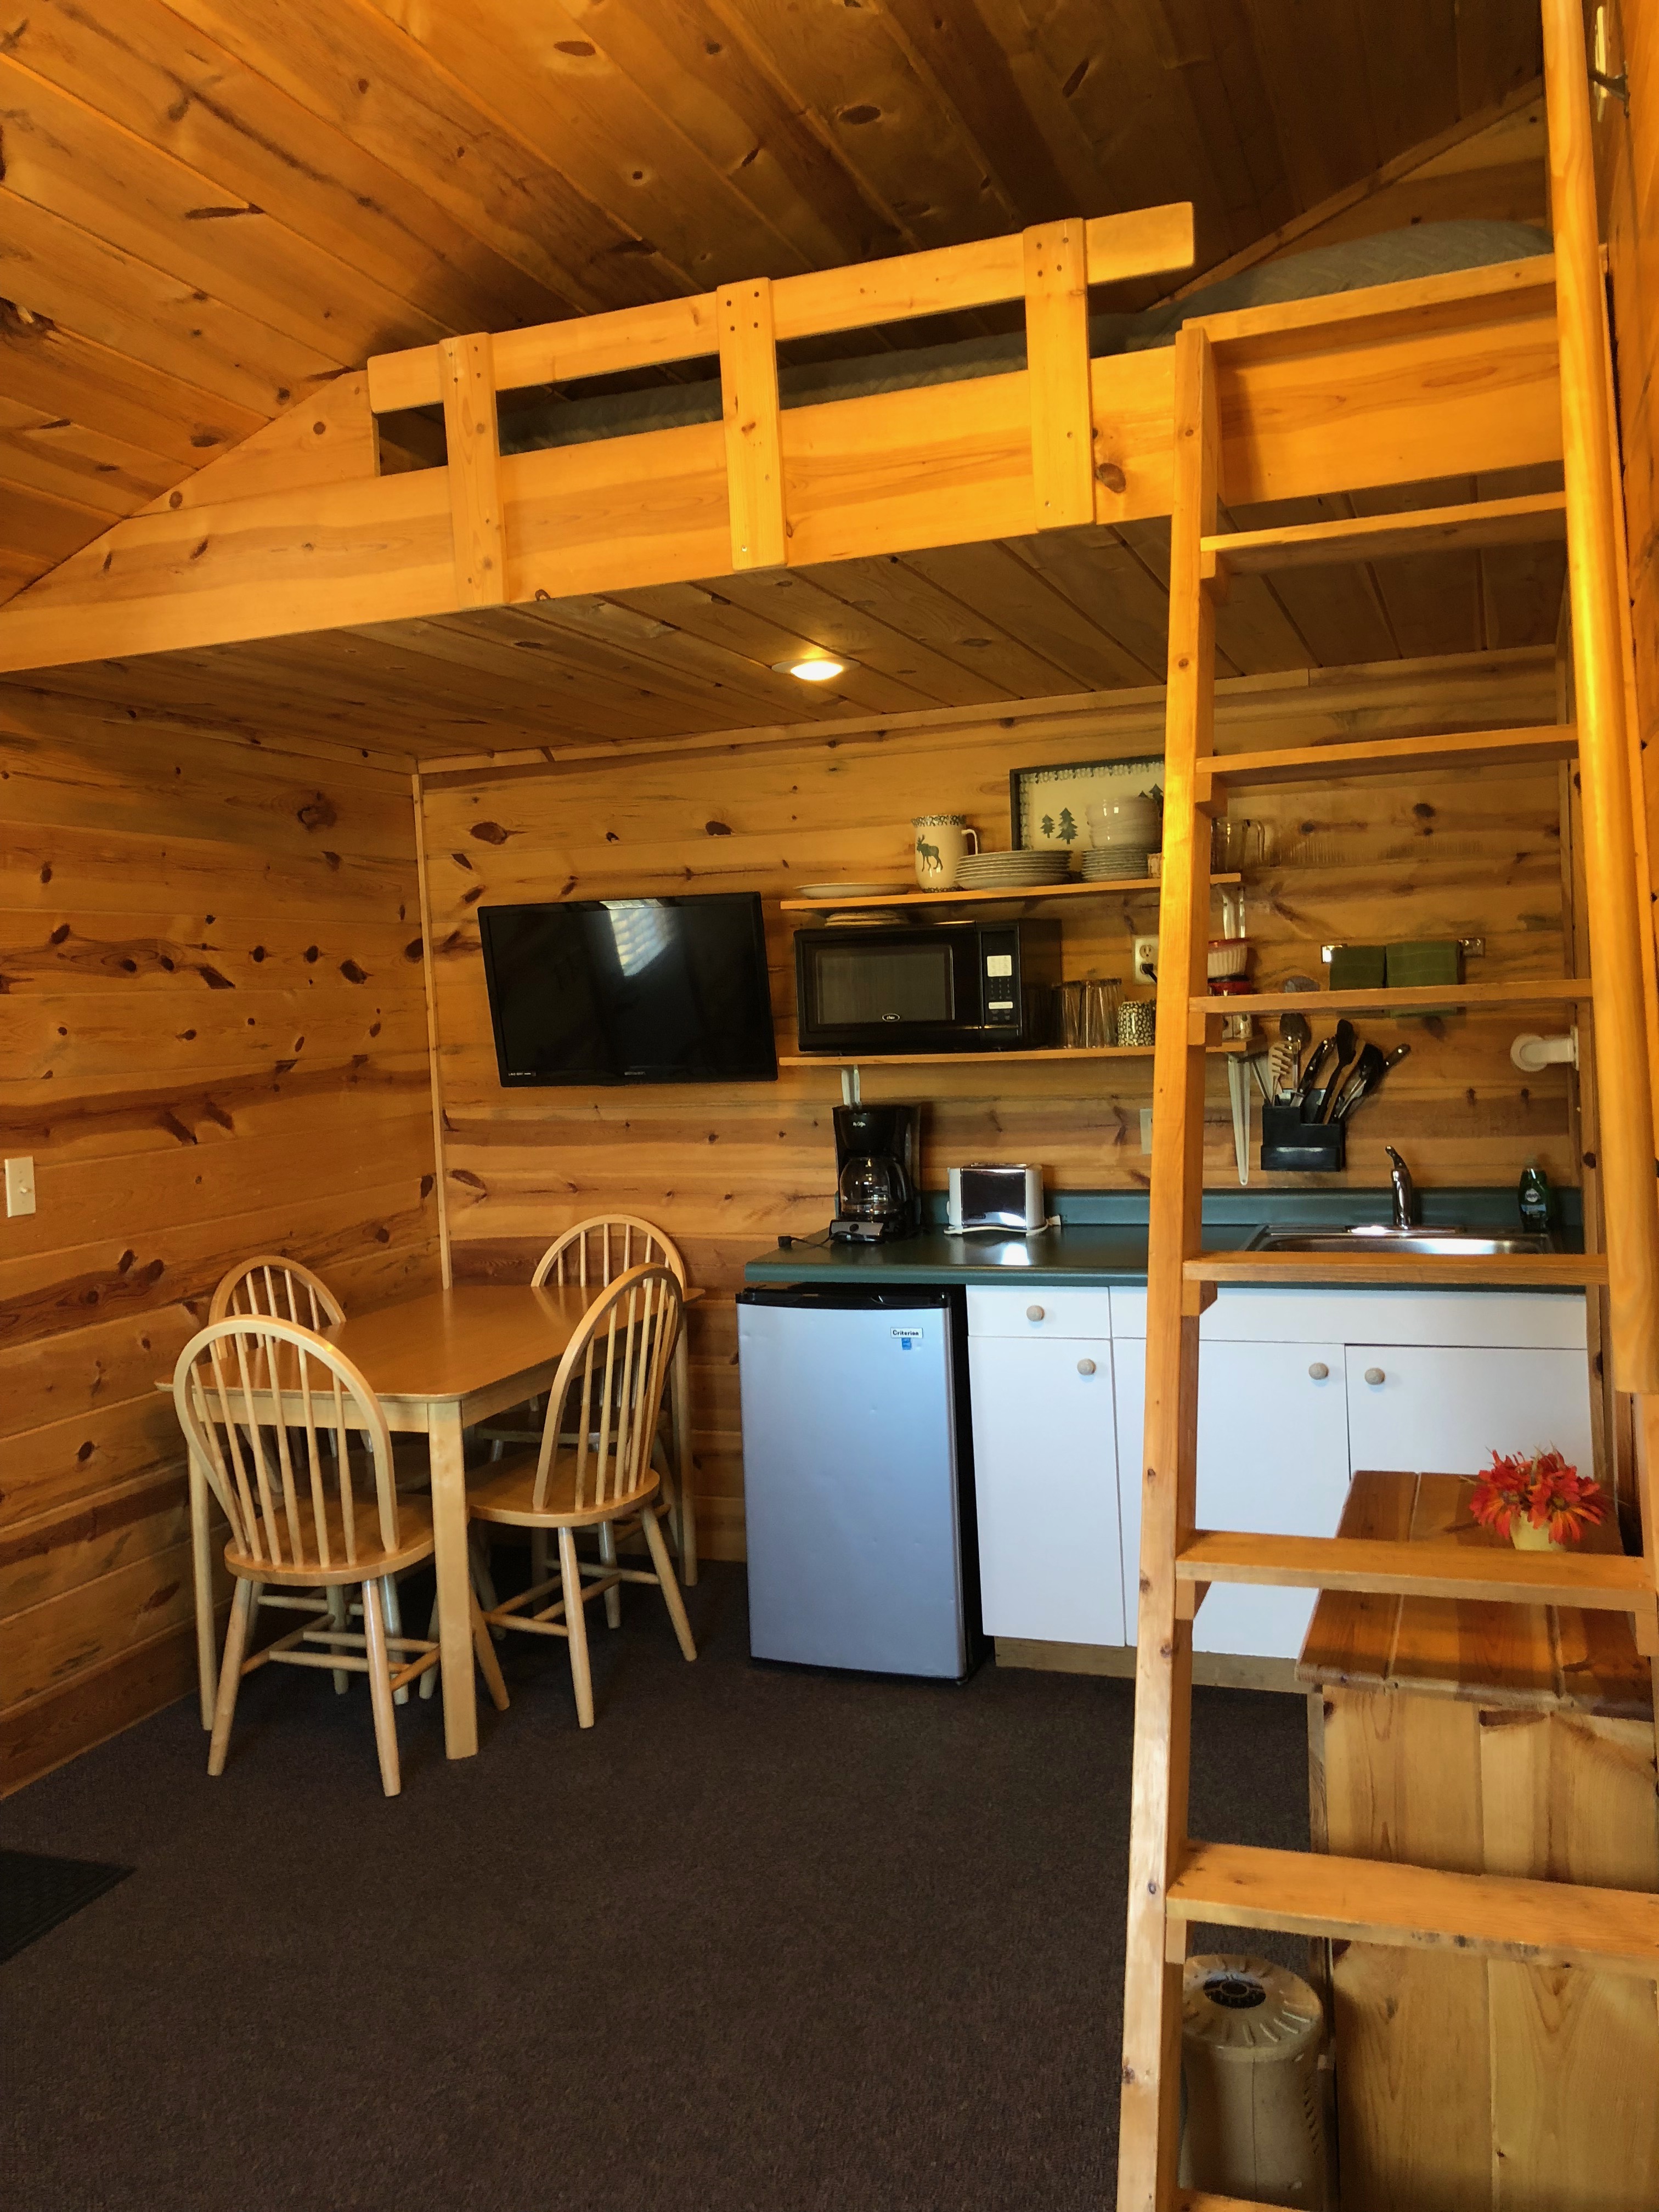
x=1147 y=2140
x=748 y=397
x=1626 y=1162
x=467 y=375
x=1057 y=363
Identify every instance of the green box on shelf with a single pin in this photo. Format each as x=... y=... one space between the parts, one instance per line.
x=1419 y=967
x=1357 y=966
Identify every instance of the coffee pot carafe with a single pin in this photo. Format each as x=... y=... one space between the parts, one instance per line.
x=877 y=1173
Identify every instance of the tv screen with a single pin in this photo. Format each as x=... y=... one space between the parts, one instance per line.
x=669 y=990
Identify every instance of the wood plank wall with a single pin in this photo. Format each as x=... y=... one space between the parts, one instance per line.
x=726 y=1169
x=213 y=1042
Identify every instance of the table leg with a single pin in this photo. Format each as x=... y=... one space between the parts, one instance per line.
x=201 y=1551
x=454 y=1593
x=680 y=1402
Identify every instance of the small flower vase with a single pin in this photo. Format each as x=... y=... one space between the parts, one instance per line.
x=1526 y=1538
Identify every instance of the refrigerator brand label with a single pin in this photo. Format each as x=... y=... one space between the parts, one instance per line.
x=908 y=1338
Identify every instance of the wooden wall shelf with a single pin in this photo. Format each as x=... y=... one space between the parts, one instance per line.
x=1431 y=998
x=977 y=1059
x=1124 y=887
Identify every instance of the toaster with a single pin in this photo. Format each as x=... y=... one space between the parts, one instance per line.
x=1007 y=1199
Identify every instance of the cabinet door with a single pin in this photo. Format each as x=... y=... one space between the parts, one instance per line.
x=1045 y=1484
x=1445 y=1410
x=1272 y=1458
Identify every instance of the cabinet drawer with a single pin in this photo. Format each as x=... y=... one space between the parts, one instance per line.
x=1040 y=1309
x=1544 y=1320
x=1426 y=1410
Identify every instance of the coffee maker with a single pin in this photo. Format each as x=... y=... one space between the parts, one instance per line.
x=877 y=1173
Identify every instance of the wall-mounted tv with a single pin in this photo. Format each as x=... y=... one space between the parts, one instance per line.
x=668 y=990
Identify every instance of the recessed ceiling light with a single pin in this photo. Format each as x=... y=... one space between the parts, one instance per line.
x=812 y=668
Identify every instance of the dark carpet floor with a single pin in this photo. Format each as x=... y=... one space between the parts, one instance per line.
x=759 y=1939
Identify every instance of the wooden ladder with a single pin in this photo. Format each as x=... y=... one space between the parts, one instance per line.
x=1174 y=1880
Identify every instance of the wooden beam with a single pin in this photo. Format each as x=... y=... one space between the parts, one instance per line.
x=749 y=405
x=1626 y=1152
x=468 y=371
x=557 y=353
x=1057 y=366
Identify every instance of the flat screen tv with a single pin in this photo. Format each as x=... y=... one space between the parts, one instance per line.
x=668 y=990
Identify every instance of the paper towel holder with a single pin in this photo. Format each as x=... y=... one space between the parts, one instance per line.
x=1532 y=1054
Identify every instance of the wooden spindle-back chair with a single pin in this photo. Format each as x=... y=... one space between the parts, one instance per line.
x=591 y=1256
x=269 y=1284
x=595 y=1466
x=257 y=1397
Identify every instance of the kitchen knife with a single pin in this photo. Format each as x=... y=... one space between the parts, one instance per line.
x=1300 y=1096
x=1366 y=1070
x=1346 y=1043
x=1358 y=1091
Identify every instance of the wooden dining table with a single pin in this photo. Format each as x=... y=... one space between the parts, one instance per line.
x=438 y=1363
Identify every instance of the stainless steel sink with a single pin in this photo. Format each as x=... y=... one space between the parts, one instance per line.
x=1379 y=1237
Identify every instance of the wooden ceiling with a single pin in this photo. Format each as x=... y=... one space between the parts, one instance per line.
x=208 y=207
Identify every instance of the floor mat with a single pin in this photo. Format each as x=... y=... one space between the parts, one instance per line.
x=37 y=1892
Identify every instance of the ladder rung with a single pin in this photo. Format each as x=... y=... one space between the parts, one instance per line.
x=1543 y=1923
x=1552 y=1271
x=1524 y=748
x=1376 y=536
x=1202 y=2200
x=1603 y=1582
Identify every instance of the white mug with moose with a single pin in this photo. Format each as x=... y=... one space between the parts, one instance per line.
x=942 y=840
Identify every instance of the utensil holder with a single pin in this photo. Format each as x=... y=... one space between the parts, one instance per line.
x=1299 y=1147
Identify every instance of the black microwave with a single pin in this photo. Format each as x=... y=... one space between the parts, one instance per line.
x=926 y=987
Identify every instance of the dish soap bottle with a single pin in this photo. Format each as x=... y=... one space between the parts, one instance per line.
x=1532 y=1195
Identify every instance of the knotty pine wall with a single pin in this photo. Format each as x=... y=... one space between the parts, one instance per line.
x=726 y=1169
x=213 y=1023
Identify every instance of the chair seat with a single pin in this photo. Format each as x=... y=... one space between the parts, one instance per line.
x=502 y=1491
x=373 y=1559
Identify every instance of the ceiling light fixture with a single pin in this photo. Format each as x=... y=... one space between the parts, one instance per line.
x=812 y=668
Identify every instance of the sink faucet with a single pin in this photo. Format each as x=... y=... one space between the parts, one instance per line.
x=1405 y=1192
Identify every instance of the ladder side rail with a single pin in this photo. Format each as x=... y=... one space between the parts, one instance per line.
x=1626 y=1160
x=1149 y=2108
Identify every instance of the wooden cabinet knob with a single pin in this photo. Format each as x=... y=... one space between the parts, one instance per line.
x=1374 y=1375
x=1034 y=1313
x=1319 y=1370
x=1085 y=1367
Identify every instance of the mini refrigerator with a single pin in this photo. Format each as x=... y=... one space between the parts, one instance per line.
x=858 y=1479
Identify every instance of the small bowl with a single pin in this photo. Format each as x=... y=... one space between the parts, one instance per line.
x=1228 y=956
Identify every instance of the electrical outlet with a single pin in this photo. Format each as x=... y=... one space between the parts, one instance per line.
x=1145 y=958
x=20 y=1188
x=1146 y=1128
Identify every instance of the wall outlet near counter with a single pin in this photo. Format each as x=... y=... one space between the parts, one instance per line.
x=20 y=1188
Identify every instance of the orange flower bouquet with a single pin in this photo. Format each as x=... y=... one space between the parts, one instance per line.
x=1535 y=1499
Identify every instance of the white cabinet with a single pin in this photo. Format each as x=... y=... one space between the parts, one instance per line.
x=1045 y=1482
x=1445 y=1410
x=1272 y=1458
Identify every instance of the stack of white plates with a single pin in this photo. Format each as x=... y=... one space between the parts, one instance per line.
x=1019 y=870
x=1111 y=864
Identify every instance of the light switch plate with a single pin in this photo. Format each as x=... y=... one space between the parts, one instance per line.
x=20 y=1188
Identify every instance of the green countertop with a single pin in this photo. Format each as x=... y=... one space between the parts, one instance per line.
x=1103 y=1236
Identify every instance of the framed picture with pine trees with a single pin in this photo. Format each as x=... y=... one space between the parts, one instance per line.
x=1048 y=807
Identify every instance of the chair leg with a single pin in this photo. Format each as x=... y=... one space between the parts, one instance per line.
x=576 y=1621
x=478 y=1552
x=394 y=1625
x=339 y=1616
x=671 y=1589
x=230 y=1675
x=488 y=1665
x=608 y=1558
x=679 y=1400
x=537 y=1556
x=429 y=1680
x=380 y=1690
